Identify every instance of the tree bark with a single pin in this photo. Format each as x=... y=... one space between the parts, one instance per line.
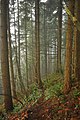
x=4 y=57
x=68 y=59
x=77 y=44
x=59 y=37
x=45 y=45
x=37 y=44
x=26 y=46
x=10 y=58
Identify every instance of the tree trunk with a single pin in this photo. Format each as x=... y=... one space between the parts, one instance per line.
x=49 y=58
x=18 y=56
x=68 y=59
x=37 y=43
x=77 y=43
x=18 y=35
x=10 y=59
x=4 y=57
x=45 y=45
x=26 y=46
x=32 y=32
x=59 y=37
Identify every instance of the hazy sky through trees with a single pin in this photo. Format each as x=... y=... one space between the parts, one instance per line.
x=43 y=0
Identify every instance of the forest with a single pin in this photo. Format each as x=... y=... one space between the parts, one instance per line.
x=39 y=60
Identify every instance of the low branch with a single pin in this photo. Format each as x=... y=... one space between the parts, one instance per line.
x=13 y=98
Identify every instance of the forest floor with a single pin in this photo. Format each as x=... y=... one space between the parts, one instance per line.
x=41 y=110
x=51 y=109
x=53 y=105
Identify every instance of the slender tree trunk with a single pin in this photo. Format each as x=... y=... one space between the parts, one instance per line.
x=21 y=84
x=55 y=56
x=45 y=45
x=4 y=57
x=10 y=58
x=15 y=47
x=59 y=37
x=18 y=56
x=77 y=43
x=32 y=47
x=18 y=35
x=68 y=62
x=26 y=47
x=37 y=38
x=0 y=32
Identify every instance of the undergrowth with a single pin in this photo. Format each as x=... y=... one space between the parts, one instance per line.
x=53 y=87
x=35 y=93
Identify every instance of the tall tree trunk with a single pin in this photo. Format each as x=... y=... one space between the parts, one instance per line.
x=68 y=59
x=77 y=43
x=0 y=31
x=55 y=56
x=18 y=56
x=59 y=37
x=10 y=59
x=18 y=35
x=32 y=47
x=15 y=47
x=49 y=58
x=22 y=87
x=37 y=39
x=4 y=57
x=45 y=45
x=26 y=46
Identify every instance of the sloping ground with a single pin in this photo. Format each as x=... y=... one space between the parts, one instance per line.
x=51 y=109
x=39 y=111
x=53 y=105
x=55 y=109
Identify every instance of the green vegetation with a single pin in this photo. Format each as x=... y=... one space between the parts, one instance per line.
x=35 y=93
x=17 y=107
x=76 y=93
x=53 y=86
